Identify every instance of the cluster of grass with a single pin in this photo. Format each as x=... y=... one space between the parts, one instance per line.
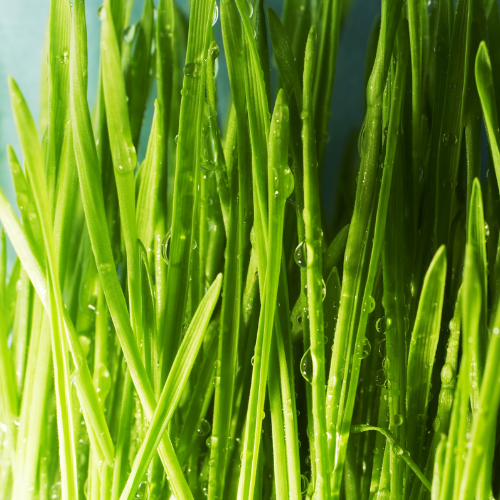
x=196 y=326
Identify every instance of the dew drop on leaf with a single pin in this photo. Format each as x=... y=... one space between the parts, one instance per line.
x=190 y=69
x=142 y=491
x=101 y=13
x=447 y=374
x=437 y=424
x=63 y=59
x=165 y=247
x=215 y=16
x=56 y=491
x=203 y=428
x=249 y=8
x=380 y=325
x=380 y=377
x=208 y=166
x=382 y=348
x=300 y=255
x=364 y=349
x=360 y=140
x=214 y=52
x=306 y=366
x=449 y=139
x=398 y=420
x=129 y=33
x=304 y=484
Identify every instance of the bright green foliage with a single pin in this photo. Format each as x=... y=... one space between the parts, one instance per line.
x=196 y=326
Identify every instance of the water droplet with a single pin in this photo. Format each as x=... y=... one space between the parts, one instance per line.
x=215 y=16
x=56 y=491
x=486 y=231
x=304 y=484
x=306 y=366
x=63 y=59
x=214 y=51
x=437 y=424
x=203 y=428
x=380 y=325
x=301 y=255
x=447 y=374
x=208 y=166
x=398 y=420
x=208 y=442
x=190 y=69
x=398 y=451
x=446 y=399
x=323 y=290
x=185 y=327
x=449 y=139
x=129 y=33
x=165 y=247
x=360 y=140
x=380 y=377
x=176 y=138
x=304 y=115
x=371 y=304
x=184 y=91
x=382 y=348
x=252 y=360
x=142 y=490
x=249 y=8
x=364 y=350
x=101 y=13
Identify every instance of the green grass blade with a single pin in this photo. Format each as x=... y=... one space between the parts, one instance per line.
x=476 y=239
x=26 y=204
x=397 y=449
x=123 y=154
x=28 y=136
x=329 y=33
x=446 y=395
x=200 y=399
x=284 y=58
x=453 y=120
x=353 y=260
x=333 y=255
x=416 y=22
x=485 y=422
x=92 y=196
x=438 y=467
x=281 y=186
x=7 y=376
x=312 y=221
x=58 y=88
x=138 y=74
x=82 y=376
x=341 y=417
x=278 y=432
x=486 y=90
x=422 y=351
x=187 y=164
x=174 y=386
x=231 y=305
